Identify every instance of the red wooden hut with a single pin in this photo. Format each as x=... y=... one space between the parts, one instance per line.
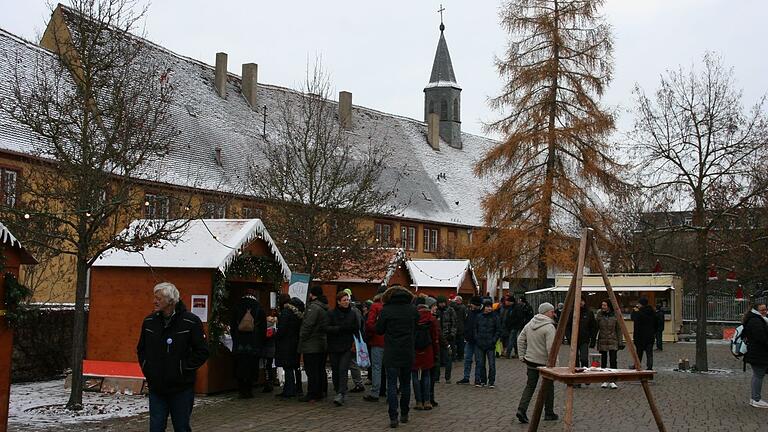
x=14 y=255
x=212 y=263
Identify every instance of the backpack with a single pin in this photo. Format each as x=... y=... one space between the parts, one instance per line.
x=246 y=324
x=422 y=339
x=738 y=344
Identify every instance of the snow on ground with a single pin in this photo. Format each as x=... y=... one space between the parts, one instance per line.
x=42 y=404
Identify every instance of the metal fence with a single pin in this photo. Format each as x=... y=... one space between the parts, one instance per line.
x=720 y=308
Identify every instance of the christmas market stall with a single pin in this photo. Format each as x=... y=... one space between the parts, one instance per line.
x=433 y=276
x=212 y=263
x=663 y=290
x=11 y=293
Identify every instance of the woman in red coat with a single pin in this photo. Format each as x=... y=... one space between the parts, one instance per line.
x=426 y=344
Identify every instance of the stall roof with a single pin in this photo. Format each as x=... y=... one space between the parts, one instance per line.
x=601 y=288
x=439 y=273
x=203 y=243
x=8 y=239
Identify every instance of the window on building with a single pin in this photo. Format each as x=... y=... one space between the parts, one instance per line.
x=251 y=213
x=214 y=210
x=456 y=109
x=430 y=239
x=156 y=206
x=408 y=237
x=9 y=186
x=443 y=110
x=383 y=233
x=431 y=106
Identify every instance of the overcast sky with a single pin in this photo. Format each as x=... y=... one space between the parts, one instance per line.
x=382 y=51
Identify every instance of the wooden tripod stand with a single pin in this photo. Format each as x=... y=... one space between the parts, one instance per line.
x=569 y=374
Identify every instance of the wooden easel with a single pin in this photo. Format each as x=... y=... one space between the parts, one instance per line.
x=569 y=375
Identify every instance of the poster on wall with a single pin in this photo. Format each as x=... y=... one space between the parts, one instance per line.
x=299 y=286
x=200 y=307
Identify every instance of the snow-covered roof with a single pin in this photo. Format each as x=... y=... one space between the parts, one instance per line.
x=204 y=243
x=437 y=185
x=9 y=240
x=439 y=273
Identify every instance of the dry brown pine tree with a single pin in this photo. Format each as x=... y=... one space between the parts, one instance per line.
x=321 y=185
x=99 y=110
x=700 y=151
x=553 y=157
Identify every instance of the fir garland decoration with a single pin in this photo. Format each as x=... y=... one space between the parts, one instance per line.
x=216 y=327
x=16 y=294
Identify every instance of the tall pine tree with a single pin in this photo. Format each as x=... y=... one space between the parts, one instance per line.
x=553 y=163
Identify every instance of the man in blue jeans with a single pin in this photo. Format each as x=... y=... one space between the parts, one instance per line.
x=171 y=348
x=487 y=333
x=397 y=323
x=475 y=308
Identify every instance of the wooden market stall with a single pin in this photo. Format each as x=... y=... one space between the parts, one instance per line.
x=13 y=255
x=664 y=289
x=212 y=263
x=433 y=276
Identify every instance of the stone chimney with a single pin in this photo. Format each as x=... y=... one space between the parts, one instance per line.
x=249 y=81
x=433 y=130
x=221 y=74
x=345 y=109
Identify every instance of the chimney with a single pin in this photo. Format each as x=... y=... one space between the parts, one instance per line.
x=221 y=74
x=433 y=130
x=250 y=78
x=218 y=156
x=345 y=109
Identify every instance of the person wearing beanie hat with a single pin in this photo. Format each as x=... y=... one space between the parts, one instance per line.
x=475 y=309
x=313 y=343
x=644 y=334
x=533 y=345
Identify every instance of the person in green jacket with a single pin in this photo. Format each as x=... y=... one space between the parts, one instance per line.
x=313 y=343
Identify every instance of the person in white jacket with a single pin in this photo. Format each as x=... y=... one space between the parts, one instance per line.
x=533 y=347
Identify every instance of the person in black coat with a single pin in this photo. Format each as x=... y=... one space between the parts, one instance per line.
x=644 y=332
x=487 y=332
x=343 y=324
x=171 y=348
x=659 y=327
x=397 y=323
x=755 y=333
x=287 y=345
x=587 y=333
x=247 y=345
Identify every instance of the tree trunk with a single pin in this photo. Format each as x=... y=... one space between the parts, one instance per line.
x=78 y=337
x=701 y=293
x=549 y=179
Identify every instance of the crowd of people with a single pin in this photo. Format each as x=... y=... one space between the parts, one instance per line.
x=411 y=342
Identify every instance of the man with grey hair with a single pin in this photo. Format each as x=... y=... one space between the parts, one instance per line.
x=533 y=347
x=171 y=348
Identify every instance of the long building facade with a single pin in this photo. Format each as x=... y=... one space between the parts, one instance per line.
x=222 y=118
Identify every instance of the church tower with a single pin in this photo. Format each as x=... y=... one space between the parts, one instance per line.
x=443 y=95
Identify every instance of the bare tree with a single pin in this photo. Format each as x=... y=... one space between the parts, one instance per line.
x=554 y=154
x=99 y=109
x=321 y=185
x=699 y=150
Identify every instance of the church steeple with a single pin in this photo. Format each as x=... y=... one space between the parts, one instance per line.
x=443 y=95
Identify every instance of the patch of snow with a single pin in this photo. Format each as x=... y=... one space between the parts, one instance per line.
x=440 y=273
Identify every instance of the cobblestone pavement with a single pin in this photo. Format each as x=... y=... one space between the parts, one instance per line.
x=688 y=402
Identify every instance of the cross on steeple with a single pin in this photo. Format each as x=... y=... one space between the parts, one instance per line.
x=442 y=26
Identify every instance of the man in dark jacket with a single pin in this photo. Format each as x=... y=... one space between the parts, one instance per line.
x=487 y=333
x=644 y=320
x=313 y=344
x=516 y=320
x=447 y=318
x=461 y=315
x=375 y=346
x=587 y=333
x=397 y=323
x=171 y=348
x=475 y=309
x=247 y=344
